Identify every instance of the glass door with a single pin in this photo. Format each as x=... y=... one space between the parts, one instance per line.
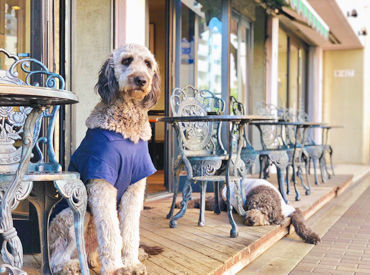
x=240 y=57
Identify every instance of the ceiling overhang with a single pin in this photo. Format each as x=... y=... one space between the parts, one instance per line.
x=320 y=23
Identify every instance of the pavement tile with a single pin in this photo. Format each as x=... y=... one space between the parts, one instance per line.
x=310 y=261
x=329 y=271
x=300 y=272
x=364 y=266
x=345 y=249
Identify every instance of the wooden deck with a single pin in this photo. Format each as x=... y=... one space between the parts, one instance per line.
x=190 y=249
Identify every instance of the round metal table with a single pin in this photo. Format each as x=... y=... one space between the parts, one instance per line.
x=39 y=98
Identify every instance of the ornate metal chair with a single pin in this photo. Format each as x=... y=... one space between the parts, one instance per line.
x=201 y=150
x=315 y=152
x=42 y=179
x=294 y=141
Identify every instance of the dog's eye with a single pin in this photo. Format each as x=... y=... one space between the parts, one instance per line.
x=127 y=61
x=148 y=64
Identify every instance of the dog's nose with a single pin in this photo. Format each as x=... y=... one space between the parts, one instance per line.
x=139 y=81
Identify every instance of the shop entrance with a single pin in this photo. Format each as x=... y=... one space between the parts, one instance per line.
x=157 y=42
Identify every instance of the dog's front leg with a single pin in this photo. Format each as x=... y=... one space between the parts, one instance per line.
x=129 y=211
x=102 y=199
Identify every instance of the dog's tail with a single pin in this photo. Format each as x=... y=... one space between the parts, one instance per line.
x=302 y=230
x=151 y=250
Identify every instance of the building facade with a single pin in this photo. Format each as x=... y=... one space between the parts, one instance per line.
x=299 y=54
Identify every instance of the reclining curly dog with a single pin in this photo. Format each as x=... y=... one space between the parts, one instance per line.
x=113 y=161
x=264 y=206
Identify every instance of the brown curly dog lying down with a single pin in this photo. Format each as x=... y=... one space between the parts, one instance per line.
x=114 y=162
x=264 y=206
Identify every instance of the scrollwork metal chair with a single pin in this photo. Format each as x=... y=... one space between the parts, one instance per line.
x=273 y=151
x=294 y=141
x=42 y=180
x=201 y=150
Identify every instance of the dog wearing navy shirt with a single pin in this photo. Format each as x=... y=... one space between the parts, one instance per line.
x=114 y=162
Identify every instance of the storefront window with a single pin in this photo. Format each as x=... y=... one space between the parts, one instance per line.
x=292 y=78
x=14 y=28
x=240 y=43
x=201 y=40
x=283 y=68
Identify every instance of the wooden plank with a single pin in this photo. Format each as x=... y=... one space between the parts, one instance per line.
x=178 y=258
x=204 y=246
x=180 y=248
x=155 y=268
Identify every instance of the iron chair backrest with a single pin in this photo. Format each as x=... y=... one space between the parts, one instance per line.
x=237 y=108
x=12 y=119
x=304 y=137
x=198 y=138
x=271 y=136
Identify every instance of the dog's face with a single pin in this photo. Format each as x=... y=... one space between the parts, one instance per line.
x=130 y=73
x=255 y=217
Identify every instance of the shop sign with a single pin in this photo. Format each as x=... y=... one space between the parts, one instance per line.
x=344 y=73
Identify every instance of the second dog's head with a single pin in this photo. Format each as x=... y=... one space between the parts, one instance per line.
x=131 y=73
x=255 y=217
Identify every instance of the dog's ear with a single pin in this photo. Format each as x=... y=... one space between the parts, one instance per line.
x=107 y=85
x=152 y=98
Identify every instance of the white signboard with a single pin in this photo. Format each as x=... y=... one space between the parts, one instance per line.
x=344 y=73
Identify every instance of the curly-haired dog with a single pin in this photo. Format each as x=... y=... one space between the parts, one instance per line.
x=264 y=206
x=113 y=161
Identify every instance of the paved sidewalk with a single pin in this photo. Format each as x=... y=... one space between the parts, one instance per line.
x=345 y=248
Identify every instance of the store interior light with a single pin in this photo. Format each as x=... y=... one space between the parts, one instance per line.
x=16 y=8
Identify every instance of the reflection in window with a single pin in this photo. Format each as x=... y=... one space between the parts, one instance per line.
x=292 y=78
x=201 y=39
x=14 y=28
x=240 y=42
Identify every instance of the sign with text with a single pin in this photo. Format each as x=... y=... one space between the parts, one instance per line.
x=344 y=73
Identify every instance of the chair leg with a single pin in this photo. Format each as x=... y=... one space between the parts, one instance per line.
x=186 y=196
x=297 y=194
x=308 y=191
x=75 y=192
x=280 y=175
x=266 y=173
x=327 y=170
x=322 y=165
x=300 y=176
x=331 y=161
x=175 y=189
x=261 y=166
x=314 y=162
x=201 y=221
x=43 y=198
x=287 y=182
x=216 y=189
x=234 y=229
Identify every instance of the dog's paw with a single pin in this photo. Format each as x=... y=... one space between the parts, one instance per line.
x=143 y=255
x=71 y=268
x=136 y=269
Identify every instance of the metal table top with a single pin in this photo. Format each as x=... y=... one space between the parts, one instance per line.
x=289 y=123
x=21 y=95
x=229 y=118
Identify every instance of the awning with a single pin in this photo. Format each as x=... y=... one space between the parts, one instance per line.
x=310 y=16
